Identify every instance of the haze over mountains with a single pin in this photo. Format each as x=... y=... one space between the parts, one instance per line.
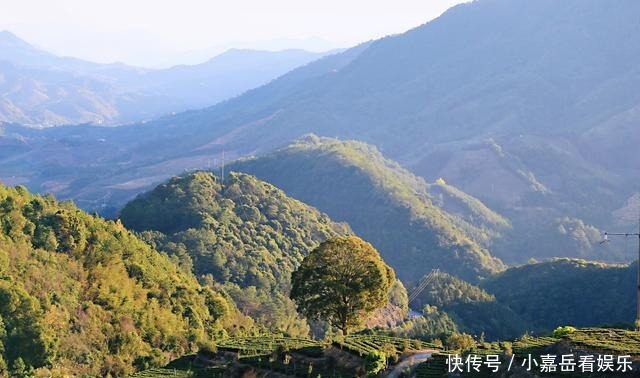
x=526 y=106
x=41 y=89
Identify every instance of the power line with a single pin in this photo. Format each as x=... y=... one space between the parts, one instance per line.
x=626 y=235
x=424 y=282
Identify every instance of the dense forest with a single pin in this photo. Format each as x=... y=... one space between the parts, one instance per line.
x=568 y=292
x=471 y=308
x=80 y=295
x=388 y=206
x=534 y=298
x=244 y=234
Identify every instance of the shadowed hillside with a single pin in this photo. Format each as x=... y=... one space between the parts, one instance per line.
x=385 y=204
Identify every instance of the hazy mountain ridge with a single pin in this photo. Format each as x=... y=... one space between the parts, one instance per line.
x=40 y=89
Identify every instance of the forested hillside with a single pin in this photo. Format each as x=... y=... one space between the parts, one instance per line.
x=568 y=292
x=385 y=204
x=244 y=233
x=472 y=309
x=535 y=298
x=82 y=296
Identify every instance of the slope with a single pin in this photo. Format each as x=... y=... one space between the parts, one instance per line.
x=246 y=234
x=82 y=296
x=471 y=308
x=568 y=292
x=382 y=202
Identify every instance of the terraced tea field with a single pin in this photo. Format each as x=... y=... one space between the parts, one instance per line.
x=256 y=351
x=179 y=373
x=605 y=340
x=263 y=345
x=436 y=367
x=364 y=344
x=614 y=341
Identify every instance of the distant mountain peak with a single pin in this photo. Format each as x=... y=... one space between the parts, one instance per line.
x=8 y=39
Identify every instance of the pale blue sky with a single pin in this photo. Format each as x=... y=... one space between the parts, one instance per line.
x=161 y=32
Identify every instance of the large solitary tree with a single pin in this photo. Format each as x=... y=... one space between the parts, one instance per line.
x=342 y=281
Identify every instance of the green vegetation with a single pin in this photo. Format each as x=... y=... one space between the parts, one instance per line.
x=471 y=308
x=563 y=331
x=431 y=325
x=83 y=296
x=342 y=282
x=600 y=340
x=246 y=235
x=295 y=357
x=435 y=367
x=460 y=342
x=364 y=344
x=185 y=367
x=383 y=203
x=375 y=362
x=260 y=345
x=567 y=291
x=473 y=217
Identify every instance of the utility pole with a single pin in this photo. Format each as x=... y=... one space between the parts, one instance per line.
x=626 y=235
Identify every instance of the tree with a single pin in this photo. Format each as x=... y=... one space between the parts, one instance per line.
x=342 y=281
x=460 y=341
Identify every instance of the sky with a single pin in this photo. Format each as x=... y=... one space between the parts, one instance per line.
x=161 y=32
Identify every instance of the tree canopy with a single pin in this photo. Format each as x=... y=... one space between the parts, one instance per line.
x=81 y=296
x=342 y=281
x=568 y=291
x=386 y=205
x=245 y=233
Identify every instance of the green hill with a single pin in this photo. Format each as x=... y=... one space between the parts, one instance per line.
x=568 y=292
x=82 y=296
x=471 y=308
x=385 y=204
x=247 y=234
x=478 y=221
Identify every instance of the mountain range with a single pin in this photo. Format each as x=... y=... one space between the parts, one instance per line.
x=40 y=89
x=525 y=106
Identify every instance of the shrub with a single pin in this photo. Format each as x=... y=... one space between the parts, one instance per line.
x=563 y=331
x=374 y=362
